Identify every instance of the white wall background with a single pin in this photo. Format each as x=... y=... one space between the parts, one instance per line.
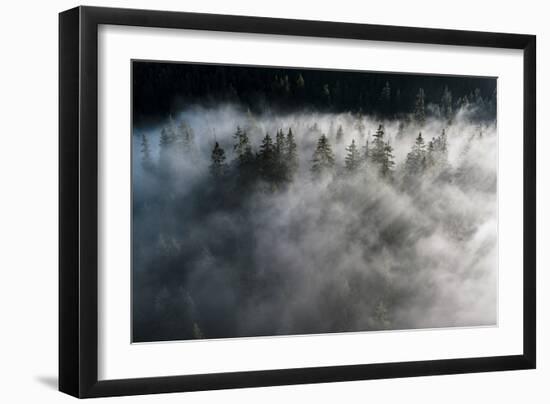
x=28 y=202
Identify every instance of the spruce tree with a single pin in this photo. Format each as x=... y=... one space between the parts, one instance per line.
x=339 y=134
x=279 y=143
x=381 y=153
x=419 y=107
x=166 y=149
x=386 y=168
x=430 y=154
x=291 y=154
x=146 y=160
x=366 y=152
x=385 y=98
x=184 y=137
x=440 y=152
x=353 y=158
x=360 y=125
x=378 y=144
x=242 y=148
x=416 y=158
x=244 y=155
x=300 y=83
x=266 y=158
x=323 y=157
x=218 y=167
x=446 y=105
x=280 y=163
x=166 y=138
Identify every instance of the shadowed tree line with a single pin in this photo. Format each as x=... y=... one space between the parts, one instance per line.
x=163 y=88
x=276 y=161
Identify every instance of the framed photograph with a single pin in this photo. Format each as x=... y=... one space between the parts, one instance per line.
x=251 y=201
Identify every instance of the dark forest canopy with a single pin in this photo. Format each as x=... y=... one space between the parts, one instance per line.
x=161 y=89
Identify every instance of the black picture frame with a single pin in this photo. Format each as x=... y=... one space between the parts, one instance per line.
x=78 y=201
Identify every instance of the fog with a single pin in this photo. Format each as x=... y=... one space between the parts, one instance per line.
x=339 y=252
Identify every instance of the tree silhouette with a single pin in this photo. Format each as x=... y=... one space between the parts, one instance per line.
x=446 y=105
x=353 y=157
x=146 y=160
x=323 y=157
x=419 y=107
x=416 y=158
x=218 y=167
x=267 y=159
x=291 y=154
x=339 y=134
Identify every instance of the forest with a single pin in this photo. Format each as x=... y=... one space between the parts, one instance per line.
x=315 y=219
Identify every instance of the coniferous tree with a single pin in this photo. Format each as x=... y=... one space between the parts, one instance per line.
x=146 y=160
x=218 y=167
x=387 y=163
x=323 y=157
x=353 y=157
x=184 y=138
x=440 y=152
x=446 y=105
x=242 y=148
x=326 y=94
x=267 y=158
x=279 y=143
x=360 y=125
x=300 y=83
x=385 y=98
x=378 y=144
x=166 y=149
x=366 y=152
x=339 y=134
x=291 y=154
x=245 y=157
x=416 y=158
x=419 y=107
x=279 y=163
x=166 y=138
x=381 y=153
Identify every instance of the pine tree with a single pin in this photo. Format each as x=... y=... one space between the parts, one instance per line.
x=416 y=158
x=386 y=92
x=419 y=107
x=430 y=154
x=387 y=163
x=166 y=150
x=300 y=83
x=166 y=138
x=242 y=148
x=366 y=152
x=291 y=154
x=146 y=160
x=440 y=152
x=385 y=98
x=184 y=137
x=339 y=134
x=381 y=153
x=323 y=157
x=326 y=93
x=360 y=125
x=378 y=144
x=353 y=158
x=279 y=143
x=218 y=167
x=244 y=155
x=266 y=158
x=447 y=104
x=280 y=163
